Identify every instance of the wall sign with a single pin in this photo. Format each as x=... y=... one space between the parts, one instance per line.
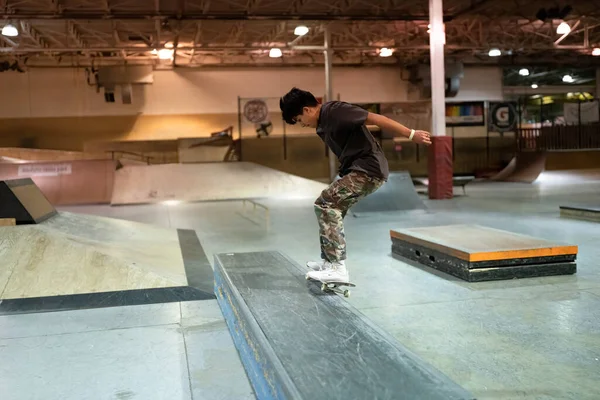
x=503 y=117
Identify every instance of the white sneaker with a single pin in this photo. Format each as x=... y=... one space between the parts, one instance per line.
x=316 y=265
x=332 y=272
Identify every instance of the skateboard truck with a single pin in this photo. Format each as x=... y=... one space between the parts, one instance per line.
x=335 y=287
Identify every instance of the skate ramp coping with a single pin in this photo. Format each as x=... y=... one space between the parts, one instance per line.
x=298 y=342
x=397 y=194
x=208 y=182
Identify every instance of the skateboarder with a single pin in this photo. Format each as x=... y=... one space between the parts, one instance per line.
x=363 y=168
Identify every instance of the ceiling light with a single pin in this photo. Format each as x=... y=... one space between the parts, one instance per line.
x=494 y=53
x=275 y=53
x=165 y=54
x=301 y=30
x=385 y=52
x=524 y=72
x=596 y=52
x=10 y=30
x=563 y=28
x=154 y=51
x=568 y=79
x=534 y=86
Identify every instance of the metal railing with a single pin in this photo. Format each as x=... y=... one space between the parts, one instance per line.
x=559 y=137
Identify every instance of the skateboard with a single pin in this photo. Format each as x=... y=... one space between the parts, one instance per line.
x=334 y=286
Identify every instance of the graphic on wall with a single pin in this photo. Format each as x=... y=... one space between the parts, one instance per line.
x=465 y=114
x=256 y=111
x=503 y=117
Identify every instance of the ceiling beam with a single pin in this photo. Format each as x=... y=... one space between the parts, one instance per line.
x=472 y=48
x=241 y=16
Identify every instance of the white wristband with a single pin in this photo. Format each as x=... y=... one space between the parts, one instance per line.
x=412 y=134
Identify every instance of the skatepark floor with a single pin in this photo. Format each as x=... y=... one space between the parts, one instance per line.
x=536 y=338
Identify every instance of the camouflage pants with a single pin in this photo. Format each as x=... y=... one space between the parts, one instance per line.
x=331 y=208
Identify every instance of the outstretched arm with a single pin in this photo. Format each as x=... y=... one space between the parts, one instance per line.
x=398 y=129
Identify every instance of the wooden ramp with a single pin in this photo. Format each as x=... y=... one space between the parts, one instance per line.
x=524 y=167
x=476 y=253
x=22 y=200
x=583 y=212
x=297 y=342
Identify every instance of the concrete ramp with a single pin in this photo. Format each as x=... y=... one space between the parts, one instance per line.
x=397 y=194
x=525 y=167
x=208 y=182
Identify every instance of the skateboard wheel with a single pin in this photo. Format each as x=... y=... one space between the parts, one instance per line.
x=323 y=287
x=346 y=293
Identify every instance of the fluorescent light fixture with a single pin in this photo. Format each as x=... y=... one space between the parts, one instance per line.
x=165 y=54
x=563 y=28
x=596 y=52
x=524 y=72
x=385 y=52
x=534 y=86
x=301 y=30
x=275 y=52
x=568 y=79
x=171 y=202
x=10 y=30
x=494 y=53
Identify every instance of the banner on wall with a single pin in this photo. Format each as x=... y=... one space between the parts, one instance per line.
x=45 y=170
x=502 y=116
x=469 y=113
x=588 y=112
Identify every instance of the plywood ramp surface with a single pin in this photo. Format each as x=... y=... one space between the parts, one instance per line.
x=477 y=243
x=73 y=254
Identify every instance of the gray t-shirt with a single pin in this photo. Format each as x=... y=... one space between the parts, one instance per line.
x=342 y=127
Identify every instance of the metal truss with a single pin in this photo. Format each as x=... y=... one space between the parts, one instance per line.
x=241 y=32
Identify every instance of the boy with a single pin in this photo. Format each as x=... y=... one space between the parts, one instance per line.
x=363 y=170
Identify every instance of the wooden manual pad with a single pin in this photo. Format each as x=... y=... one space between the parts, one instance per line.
x=477 y=253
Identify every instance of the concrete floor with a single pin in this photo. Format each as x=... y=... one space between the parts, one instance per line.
x=533 y=338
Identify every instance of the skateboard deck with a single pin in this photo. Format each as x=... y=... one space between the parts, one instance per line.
x=327 y=286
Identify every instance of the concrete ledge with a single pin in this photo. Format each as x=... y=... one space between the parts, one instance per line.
x=297 y=342
x=586 y=213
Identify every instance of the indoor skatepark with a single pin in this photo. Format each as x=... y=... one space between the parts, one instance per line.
x=149 y=253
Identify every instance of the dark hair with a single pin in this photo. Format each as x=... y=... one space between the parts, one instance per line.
x=292 y=103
